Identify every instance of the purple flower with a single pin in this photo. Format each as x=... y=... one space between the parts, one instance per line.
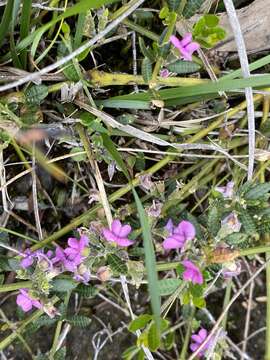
x=226 y=191
x=192 y=273
x=178 y=235
x=198 y=339
x=28 y=258
x=185 y=46
x=61 y=258
x=25 y=301
x=77 y=249
x=164 y=73
x=118 y=234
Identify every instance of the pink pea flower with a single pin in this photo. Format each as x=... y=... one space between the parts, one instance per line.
x=61 y=258
x=226 y=191
x=77 y=249
x=231 y=222
x=185 y=46
x=25 y=301
x=178 y=235
x=198 y=339
x=164 y=73
x=118 y=234
x=192 y=273
x=28 y=258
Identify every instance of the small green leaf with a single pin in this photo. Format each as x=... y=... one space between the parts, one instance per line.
x=173 y=4
x=153 y=337
x=117 y=265
x=183 y=67
x=213 y=221
x=146 y=69
x=36 y=93
x=211 y=20
x=247 y=222
x=79 y=157
x=64 y=285
x=191 y=7
x=199 y=302
x=168 y=286
x=258 y=191
x=87 y=291
x=140 y=322
x=60 y=354
x=148 y=53
x=79 y=320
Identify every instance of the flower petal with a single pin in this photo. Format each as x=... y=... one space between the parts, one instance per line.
x=192 y=47
x=188 y=229
x=109 y=235
x=176 y=42
x=124 y=242
x=171 y=243
x=186 y=39
x=169 y=226
x=116 y=227
x=202 y=334
x=126 y=229
x=24 y=302
x=73 y=242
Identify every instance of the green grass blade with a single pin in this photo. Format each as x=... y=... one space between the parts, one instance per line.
x=111 y=148
x=189 y=92
x=6 y=20
x=79 y=30
x=150 y=260
x=24 y=28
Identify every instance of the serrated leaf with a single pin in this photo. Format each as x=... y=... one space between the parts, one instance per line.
x=183 y=67
x=213 y=221
x=60 y=354
x=196 y=290
x=64 y=285
x=87 y=291
x=168 y=286
x=236 y=239
x=146 y=69
x=140 y=322
x=247 y=222
x=79 y=320
x=173 y=4
x=153 y=337
x=117 y=265
x=147 y=53
x=191 y=7
x=258 y=191
x=36 y=93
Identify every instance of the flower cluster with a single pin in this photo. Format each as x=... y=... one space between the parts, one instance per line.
x=69 y=259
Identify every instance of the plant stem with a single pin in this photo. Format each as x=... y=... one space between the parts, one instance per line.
x=58 y=330
x=187 y=336
x=102 y=79
x=15 y=286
